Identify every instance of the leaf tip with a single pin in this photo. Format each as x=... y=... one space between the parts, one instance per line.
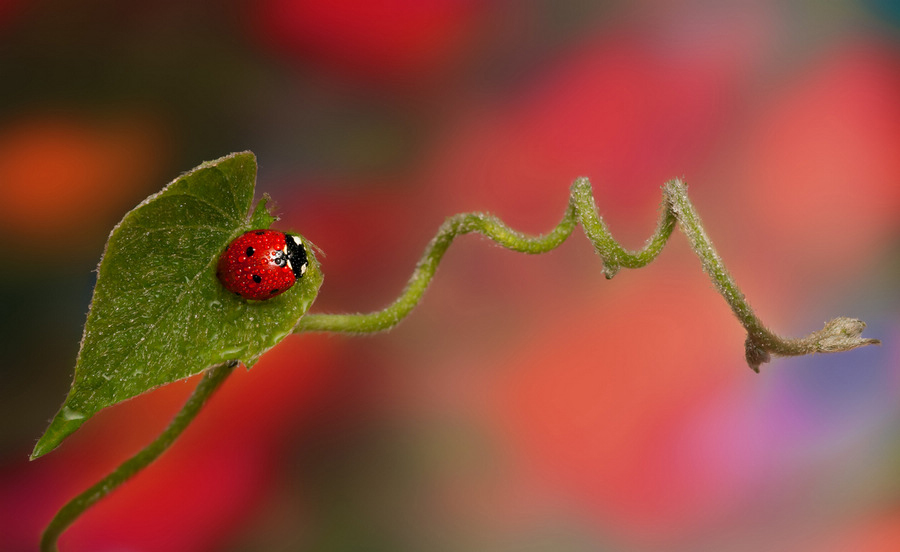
x=262 y=216
x=64 y=424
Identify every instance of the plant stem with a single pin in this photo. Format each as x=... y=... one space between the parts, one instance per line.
x=840 y=334
x=212 y=380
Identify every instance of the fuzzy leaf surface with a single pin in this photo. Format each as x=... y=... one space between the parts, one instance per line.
x=159 y=314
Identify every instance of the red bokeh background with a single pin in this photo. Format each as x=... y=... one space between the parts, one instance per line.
x=528 y=402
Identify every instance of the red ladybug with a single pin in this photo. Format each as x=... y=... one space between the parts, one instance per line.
x=261 y=264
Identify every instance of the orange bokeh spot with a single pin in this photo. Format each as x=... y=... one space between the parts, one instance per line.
x=71 y=176
x=597 y=410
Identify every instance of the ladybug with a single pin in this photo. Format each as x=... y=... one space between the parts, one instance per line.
x=261 y=264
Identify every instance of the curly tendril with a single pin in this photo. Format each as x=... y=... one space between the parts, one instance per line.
x=840 y=334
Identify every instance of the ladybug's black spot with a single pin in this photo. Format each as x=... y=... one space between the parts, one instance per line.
x=274 y=291
x=260 y=232
x=249 y=251
x=256 y=278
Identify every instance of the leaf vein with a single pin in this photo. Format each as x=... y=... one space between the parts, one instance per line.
x=207 y=202
x=152 y=327
x=174 y=226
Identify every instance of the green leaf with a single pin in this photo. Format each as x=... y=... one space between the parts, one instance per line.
x=159 y=314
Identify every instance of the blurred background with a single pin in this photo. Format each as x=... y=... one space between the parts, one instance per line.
x=528 y=404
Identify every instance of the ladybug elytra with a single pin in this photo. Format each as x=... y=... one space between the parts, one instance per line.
x=261 y=264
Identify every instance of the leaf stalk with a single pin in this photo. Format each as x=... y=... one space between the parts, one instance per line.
x=211 y=381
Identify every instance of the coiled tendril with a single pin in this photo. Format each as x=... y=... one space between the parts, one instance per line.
x=840 y=334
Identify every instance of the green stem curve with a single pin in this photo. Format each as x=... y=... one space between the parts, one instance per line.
x=840 y=334
x=212 y=380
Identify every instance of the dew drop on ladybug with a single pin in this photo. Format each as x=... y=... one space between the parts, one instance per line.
x=261 y=264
